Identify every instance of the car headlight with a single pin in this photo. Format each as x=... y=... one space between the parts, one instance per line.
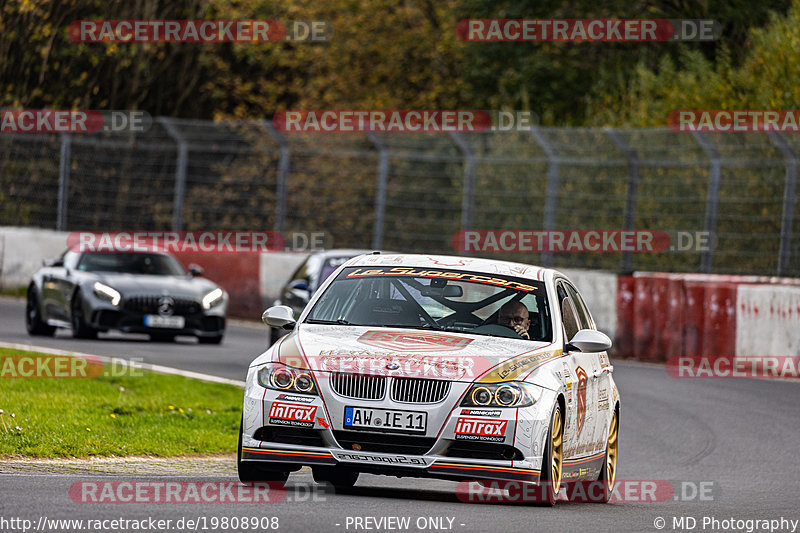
x=287 y=379
x=104 y=292
x=212 y=298
x=509 y=394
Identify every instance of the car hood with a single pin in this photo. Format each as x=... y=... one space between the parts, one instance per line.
x=409 y=353
x=134 y=284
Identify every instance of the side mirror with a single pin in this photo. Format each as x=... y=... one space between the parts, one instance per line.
x=279 y=316
x=299 y=288
x=589 y=340
x=53 y=262
x=299 y=284
x=195 y=270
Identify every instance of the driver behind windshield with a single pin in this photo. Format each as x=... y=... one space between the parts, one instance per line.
x=515 y=316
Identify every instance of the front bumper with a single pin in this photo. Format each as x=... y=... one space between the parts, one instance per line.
x=442 y=452
x=131 y=319
x=390 y=464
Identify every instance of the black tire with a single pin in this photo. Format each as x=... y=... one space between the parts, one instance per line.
x=80 y=329
x=340 y=478
x=551 y=471
x=33 y=316
x=608 y=472
x=162 y=337
x=216 y=339
x=253 y=472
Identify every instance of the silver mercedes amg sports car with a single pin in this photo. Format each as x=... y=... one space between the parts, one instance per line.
x=134 y=292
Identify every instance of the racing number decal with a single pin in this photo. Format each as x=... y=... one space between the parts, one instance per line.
x=580 y=373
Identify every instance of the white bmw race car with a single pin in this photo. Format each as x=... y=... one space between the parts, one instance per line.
x=435 y=366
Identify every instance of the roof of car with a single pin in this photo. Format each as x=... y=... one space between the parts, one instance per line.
x=341 y=252
x=474 y=264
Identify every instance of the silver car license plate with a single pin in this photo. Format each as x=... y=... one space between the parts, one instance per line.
x=158 y=321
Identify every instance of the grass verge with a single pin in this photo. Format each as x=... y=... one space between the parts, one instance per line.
x=141 y=414
x=18 y=292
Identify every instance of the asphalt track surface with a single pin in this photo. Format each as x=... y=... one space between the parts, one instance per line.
x=736 y=438
x=230 y=359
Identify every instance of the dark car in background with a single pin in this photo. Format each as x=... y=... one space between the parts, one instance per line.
x=308 y=277
x=133 y=292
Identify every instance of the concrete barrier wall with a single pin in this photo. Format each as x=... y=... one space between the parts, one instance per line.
x=666 y=315
x=769 y=320
x=22 y=251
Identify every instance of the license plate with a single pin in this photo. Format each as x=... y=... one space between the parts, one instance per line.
x=158 y=321
x=385 y=419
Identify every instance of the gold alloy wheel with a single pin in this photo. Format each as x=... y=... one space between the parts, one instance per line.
x=556 y=455
x=611 y=456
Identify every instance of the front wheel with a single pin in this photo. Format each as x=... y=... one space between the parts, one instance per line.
x=553 y=460
x=33 y=316
x=253 y=472
x=80 y=329
x=216 y=339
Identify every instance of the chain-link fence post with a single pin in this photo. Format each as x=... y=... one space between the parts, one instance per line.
x=789 y=188
x=380 y=191
x=180 y=172
x=282 y=183
x=710 y=225
x=63 y=181
x=633 y=183
x=552 y=189
x=468 y=191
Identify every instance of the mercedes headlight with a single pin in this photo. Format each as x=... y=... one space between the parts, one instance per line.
x=286 y=379
x=104 y=292
x=212 y=298
x=509 y=394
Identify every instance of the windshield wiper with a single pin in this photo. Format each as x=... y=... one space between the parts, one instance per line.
x=340 y=321
x=420 y=326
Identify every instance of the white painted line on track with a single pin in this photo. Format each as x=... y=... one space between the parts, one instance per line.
x=158 y=369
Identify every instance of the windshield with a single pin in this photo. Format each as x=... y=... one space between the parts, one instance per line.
x=466 y=302
x=131 y=263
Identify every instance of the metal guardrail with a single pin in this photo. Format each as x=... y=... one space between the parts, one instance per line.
x=412 y=191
